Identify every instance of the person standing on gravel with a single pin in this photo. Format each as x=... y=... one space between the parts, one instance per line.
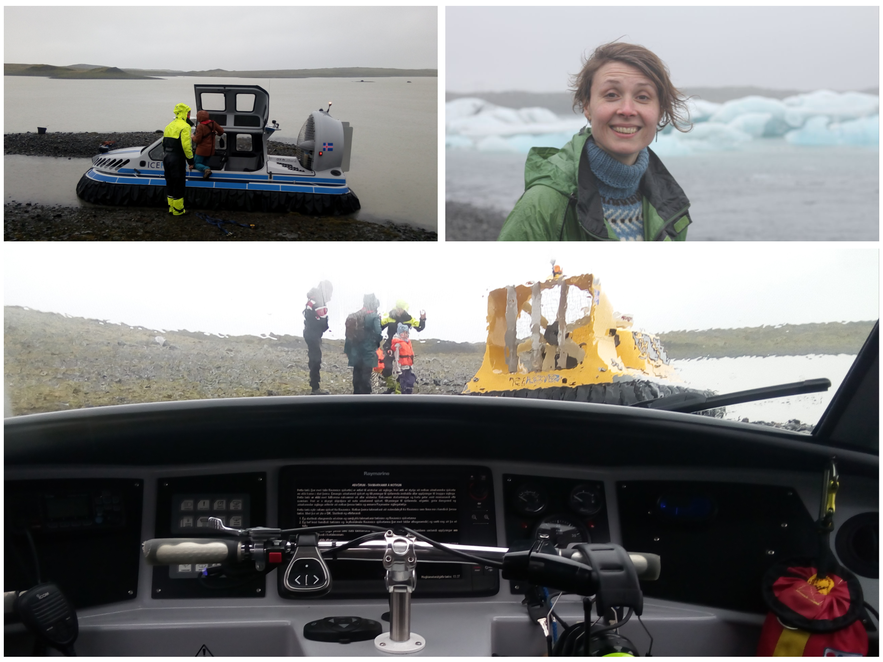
x=403 y=357
x=178 y=151
x=204 y=139
x=396 y=316
x=362 y=341
x=315 y=324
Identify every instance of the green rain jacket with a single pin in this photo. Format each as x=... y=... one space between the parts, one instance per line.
x=561 y=199
x=178 y=130
x=364 y=353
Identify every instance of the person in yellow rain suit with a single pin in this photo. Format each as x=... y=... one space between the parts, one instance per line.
x=178 y=151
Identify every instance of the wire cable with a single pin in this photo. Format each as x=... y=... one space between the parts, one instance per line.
x=374 y=535
x=464 y=555
x=419 y=536
x=650 y=648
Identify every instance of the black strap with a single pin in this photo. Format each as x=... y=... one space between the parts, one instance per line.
x=219 y=223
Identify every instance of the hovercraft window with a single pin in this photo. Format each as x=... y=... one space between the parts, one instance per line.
x=157 y=153
x=243 y=142
x=212 y=101
x=245 y=103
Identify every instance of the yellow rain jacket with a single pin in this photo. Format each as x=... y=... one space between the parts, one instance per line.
x=178 y=132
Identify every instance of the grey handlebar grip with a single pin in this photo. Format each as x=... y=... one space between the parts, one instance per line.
x=648 y=566
x=171 y=551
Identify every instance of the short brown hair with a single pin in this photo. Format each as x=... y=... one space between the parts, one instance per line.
x=672 y=102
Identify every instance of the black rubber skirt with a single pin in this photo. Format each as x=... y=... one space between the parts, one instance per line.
x=617 y=393
x=128 y=195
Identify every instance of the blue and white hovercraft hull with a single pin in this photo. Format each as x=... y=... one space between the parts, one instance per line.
x=244 y=176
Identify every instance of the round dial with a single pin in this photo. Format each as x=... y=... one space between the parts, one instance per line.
x=530 y=500
x=586 y=500
x=562 y=531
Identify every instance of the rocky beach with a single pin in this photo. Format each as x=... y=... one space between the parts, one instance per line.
x=55 y=362
x=465 y=222
x=30 y=221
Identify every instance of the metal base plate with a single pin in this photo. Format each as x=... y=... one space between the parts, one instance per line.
x=414 y=644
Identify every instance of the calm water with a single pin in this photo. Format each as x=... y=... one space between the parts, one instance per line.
x=769 y=190
x=394 y=168
x=746 y=372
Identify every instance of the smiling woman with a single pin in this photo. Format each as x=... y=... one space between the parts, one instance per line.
x=606 y=184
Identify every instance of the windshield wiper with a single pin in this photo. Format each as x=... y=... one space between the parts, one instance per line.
x=692 y=401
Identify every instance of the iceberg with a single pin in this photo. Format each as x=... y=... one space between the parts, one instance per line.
x=836 y=106
x=820 y=118
x=822 y=132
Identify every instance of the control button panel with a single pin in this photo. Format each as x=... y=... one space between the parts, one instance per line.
x=191 y=512
x=190 y=516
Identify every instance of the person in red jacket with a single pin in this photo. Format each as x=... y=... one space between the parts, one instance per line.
x=204 y=141
x=403 y=355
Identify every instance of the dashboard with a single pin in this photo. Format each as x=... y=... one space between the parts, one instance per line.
x=720 y=502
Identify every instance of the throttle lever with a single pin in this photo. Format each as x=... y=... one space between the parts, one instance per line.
x=307 y=573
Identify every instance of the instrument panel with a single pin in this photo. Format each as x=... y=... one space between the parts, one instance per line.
x=681 y=520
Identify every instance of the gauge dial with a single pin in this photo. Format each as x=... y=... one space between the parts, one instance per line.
x=562 y=531
x=530 y=500
x=586 y=499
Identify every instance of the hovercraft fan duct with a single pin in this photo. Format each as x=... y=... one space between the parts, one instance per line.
x=320 y=143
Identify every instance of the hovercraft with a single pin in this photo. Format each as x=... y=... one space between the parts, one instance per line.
x=245 y=177
x=560 y=339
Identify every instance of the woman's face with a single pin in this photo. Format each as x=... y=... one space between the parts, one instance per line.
x=623 y=109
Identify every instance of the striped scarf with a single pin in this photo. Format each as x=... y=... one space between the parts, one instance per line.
x=618 y=185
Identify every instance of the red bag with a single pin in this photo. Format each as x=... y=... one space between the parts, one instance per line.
x=812 y=617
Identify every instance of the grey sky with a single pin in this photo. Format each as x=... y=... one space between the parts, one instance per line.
x=534 y=49
x=249 y=288
x=221 y=37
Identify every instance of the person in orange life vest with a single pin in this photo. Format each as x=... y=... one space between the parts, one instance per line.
x=403 y=355
x=396 y=316
x=204 y=140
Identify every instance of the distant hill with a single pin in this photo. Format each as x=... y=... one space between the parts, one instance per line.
x=78 y=71
x=92 y=71
x=46 y=70
x=112 y=73
x=785 y=340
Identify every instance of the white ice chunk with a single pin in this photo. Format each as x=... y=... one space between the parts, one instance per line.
x=841 y=119
x=701 y=110
x=751 y=104
x=754 y=124
x=836 y=106
x=821 y=131
x=466 y=107
x=458 y=142
x=495 y=144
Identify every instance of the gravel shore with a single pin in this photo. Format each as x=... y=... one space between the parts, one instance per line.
x=55 y=362
x=465 y=222
x=25 y=221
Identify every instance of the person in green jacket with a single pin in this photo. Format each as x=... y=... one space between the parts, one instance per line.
x=606 y=184
x=361 y=343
